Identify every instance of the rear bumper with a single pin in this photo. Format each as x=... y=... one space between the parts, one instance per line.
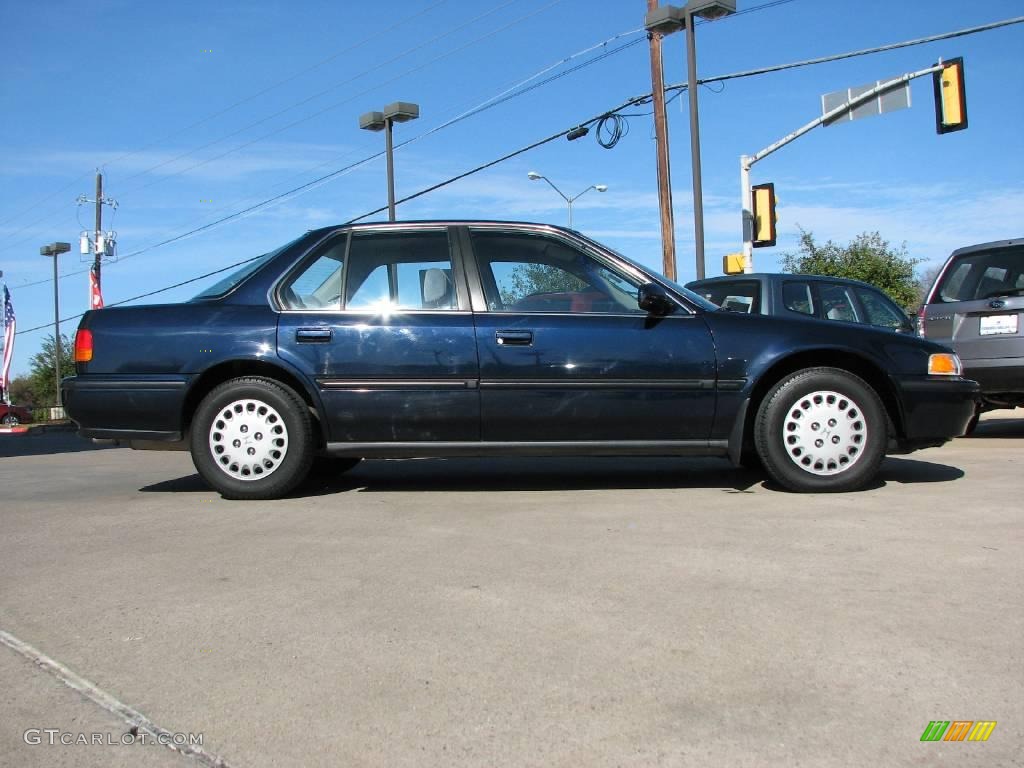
x=935 y=409
x=126 y=407
x=997 y=375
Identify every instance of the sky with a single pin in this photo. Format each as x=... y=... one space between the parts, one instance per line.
x=196 y=110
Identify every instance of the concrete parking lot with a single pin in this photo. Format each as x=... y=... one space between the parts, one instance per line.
x=570 y=612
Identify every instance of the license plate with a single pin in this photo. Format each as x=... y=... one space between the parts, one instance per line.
x=997 y=324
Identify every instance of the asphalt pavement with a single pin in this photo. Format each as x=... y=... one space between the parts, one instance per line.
x=521 y=612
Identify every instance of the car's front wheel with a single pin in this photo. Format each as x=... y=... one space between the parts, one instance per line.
x=252 y=438
x=11 y=420
x=821 y=430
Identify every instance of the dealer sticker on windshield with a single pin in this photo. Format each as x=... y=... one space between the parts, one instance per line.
x=995 y=324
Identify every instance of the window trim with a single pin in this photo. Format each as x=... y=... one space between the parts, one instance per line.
x=604 y=258
x=277 y=304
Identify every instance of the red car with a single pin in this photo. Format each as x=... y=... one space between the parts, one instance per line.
x=12 y=415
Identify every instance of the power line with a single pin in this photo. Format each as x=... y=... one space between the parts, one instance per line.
x=862 y=52
x=225 y=110
x=337 y=104
x=484 y=106
x=636 y=100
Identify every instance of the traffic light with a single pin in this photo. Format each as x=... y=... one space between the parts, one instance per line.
x=762 y=206
x=733 y=263
x=950 y=97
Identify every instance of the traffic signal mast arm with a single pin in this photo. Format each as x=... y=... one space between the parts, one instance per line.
x=747 y=161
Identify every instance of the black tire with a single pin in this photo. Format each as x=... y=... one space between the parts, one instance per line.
x=11 y=420
x=821 y=430
x=252 y=438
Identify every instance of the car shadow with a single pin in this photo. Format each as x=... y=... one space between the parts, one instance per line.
x=41 y=443
x=988 y=429
x=557 y=474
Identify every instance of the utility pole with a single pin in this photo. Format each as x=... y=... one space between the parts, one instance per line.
x=99 y=229
x=691 y=92
x=668 y=232
x=101 y=244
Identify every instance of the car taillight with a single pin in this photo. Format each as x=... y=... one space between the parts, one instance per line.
x=83 y=346
x=920 y=320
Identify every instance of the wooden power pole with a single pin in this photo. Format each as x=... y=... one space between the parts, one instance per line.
x=668 y=232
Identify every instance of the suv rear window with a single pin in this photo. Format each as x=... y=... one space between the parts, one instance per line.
x=982 y=275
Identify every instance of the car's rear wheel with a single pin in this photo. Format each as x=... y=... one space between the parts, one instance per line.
x=821 y=430
x=11 y=420
x=252 y=438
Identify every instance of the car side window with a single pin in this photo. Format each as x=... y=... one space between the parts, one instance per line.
x=535 y=273
x=837 y=303
x=881 y=311
x=318 y=284
x=797 y=297
x=388 y=271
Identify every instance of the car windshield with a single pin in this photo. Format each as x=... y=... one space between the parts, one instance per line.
x=695 y=298
x=225 y=284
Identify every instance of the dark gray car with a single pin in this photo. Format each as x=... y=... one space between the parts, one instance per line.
x=976 y=306
x=814 y=296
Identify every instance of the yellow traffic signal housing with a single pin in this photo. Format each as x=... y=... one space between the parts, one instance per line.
x=733 y=263
x=762 y=206
x=950 y=97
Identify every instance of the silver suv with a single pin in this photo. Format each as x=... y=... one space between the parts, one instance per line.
x=976 y=306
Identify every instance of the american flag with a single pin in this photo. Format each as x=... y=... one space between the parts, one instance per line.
x=95 y=297
x=9 y=331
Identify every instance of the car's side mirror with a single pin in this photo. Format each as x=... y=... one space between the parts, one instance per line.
x=654 y=299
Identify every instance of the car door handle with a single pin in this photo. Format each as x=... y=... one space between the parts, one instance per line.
x=313 y=335
x=514 y=338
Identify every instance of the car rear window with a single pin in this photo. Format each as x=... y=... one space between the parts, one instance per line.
x=737 y=296
x=982 y=275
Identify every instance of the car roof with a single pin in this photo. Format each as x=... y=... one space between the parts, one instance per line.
x=412 y=223
x=995 y=244
x=765 y=276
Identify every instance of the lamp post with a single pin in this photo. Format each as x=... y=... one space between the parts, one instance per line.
x=397 y=112
x=55 y=250
x=666 y=20
x=534 y=176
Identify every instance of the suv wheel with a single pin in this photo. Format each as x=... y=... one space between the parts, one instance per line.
x=821 y=429
x=11 y=420
x=252 y=438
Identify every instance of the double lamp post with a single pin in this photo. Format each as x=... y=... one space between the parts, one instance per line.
x=664 y=20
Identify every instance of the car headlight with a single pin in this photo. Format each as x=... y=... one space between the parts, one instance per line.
x=944 y=364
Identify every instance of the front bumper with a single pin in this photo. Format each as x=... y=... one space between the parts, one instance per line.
x=126 y=407
x=935 y=409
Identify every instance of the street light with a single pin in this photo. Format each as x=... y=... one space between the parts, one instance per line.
x=398 y=112
x=665 y=20
x=533 y=176
x=55 y=250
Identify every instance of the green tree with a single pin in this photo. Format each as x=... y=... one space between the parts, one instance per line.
x=20 y=392
x=41 y=376
x=868 y=258
x=527 y=279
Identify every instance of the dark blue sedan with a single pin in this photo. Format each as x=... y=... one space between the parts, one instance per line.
x=490 y=338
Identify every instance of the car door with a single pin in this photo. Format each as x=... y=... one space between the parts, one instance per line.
x=567 y=355
x=380 y=320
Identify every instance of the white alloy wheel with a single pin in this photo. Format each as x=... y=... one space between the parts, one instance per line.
x=824 y=433
x=248 y=439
